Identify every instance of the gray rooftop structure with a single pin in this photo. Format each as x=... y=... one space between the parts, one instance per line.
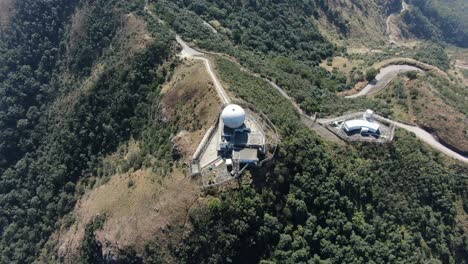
x=245 y=155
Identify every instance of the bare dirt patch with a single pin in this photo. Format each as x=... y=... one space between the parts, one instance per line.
x=417 y=102
x=436 y=116
x=144 y=205
x=78 y=28
x=132 y=36
x=365 y=22
x=393 y=28
x=7 y=11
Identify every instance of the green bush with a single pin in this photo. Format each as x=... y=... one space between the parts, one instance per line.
x=371 y=73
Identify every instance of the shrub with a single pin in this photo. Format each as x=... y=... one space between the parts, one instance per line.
x=371 y=73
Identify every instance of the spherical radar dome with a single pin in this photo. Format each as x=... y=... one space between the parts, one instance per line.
x=233 y=116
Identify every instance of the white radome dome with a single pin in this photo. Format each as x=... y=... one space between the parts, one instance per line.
x=233 y=116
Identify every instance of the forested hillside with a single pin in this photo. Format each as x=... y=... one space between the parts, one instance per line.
x=53 y=127
x=439 y=20
x=317 y=203
x=81 y=79
x=355 y=205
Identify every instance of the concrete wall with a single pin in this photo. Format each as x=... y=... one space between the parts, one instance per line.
x=195 y=169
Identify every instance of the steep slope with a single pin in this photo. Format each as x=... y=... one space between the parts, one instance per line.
x=419 y=101
x=64 y=106
x=314 y=205
x=364 y=22
x=142 y=204
x=98 y=123
x=438 y=20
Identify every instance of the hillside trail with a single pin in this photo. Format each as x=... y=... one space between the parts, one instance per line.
x=188 y=53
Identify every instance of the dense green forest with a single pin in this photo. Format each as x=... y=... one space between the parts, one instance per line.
x=438 y=20
x=45 y=149
x=392 y=204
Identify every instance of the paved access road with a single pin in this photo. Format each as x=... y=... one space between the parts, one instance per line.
x=188 y=52
x=429 y=139
x=385 y=76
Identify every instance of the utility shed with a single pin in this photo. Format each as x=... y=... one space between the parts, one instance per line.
x=245 y=155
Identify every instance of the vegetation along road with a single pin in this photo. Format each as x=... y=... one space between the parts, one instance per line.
x=429 y=139
x=385 y=76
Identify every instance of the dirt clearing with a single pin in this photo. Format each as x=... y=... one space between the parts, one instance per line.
x=143 y=205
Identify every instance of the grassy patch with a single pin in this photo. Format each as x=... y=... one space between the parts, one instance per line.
x=454 y=94
x=7 y=11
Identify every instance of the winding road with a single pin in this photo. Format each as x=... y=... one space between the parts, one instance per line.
x=388 y=72
x=423 y=135
x=385 y=76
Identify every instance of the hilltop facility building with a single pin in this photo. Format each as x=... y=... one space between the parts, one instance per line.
x=242 y=139
x=364 y=125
